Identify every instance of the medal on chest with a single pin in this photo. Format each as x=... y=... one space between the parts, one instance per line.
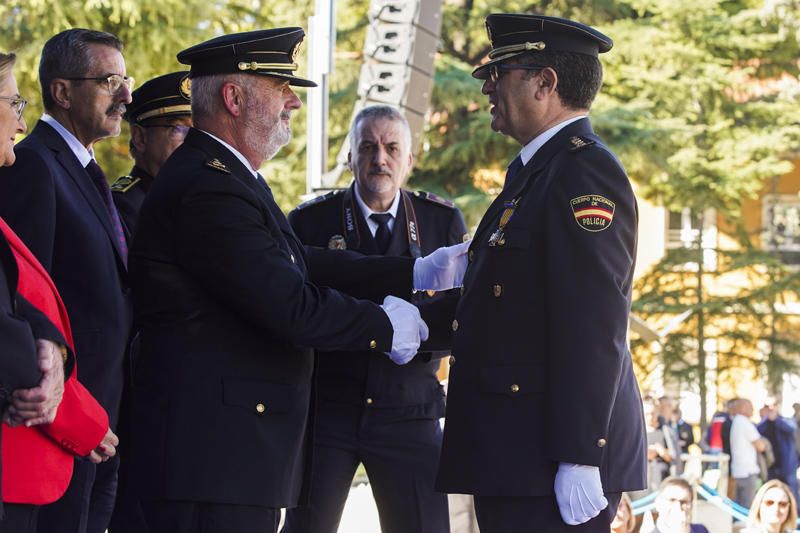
x=497 y=238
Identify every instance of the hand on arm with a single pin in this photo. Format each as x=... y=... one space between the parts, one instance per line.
x=409 y=329
x=39 y=405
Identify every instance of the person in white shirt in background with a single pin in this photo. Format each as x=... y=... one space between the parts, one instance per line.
x=746 y=442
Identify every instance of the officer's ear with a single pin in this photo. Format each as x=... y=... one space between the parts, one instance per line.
x=138 y=138
x=547 y=81
x=233 y=98
x=350 y=160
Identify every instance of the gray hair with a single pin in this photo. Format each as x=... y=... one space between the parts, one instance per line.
x=206 y=99
x=375 y=112
x=66 y=55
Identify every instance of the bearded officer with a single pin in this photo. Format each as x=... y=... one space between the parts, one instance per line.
x=226 y=311
x=160 y=114
x=544 y=417
x=370 y=410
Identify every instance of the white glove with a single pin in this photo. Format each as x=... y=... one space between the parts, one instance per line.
x=442 y=269
x=579 y=493
x=409 y=329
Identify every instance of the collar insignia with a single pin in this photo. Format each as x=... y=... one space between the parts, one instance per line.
x=216 y=164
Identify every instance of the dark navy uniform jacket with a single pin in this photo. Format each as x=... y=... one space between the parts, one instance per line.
x=129 y=192
x=542 y=371
x=357 y=377
x=227 y=320
x=49 y=201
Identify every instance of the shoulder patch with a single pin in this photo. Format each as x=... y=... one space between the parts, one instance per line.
x=318 y=199
x=593 y=212
x=125 y=183
x=216 y=164
x=429 y=196
x=579 y=143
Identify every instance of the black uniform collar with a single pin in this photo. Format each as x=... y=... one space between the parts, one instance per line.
x=139 y=172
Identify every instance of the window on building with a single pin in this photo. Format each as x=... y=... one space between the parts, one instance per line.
x=781 y=223
x=683 y=230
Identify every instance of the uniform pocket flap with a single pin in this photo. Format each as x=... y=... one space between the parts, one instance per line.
x=511 y=380
x=261 y=397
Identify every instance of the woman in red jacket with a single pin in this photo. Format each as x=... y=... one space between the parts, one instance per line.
x=40 y=436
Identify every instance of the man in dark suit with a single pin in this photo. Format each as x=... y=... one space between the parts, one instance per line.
x=544 y=416
x=370 y=410
x=57 y=200
x=226 y=311
x=159 y=115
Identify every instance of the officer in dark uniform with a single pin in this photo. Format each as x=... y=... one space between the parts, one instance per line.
x=544 y=416
x=159 y=115
x=370 y=410
x=228 y=317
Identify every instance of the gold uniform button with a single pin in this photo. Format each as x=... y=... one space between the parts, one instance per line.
x=601 y=443
x=455 y=325
x=452 y=360
x=514 y=388
x=471 y=255
x=501 y=242
x=260 y=408
x=369 y=401
x=497 y=290
x=373 y=344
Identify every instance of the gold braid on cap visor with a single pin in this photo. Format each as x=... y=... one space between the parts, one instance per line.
x=514 y=49
x=253 y=65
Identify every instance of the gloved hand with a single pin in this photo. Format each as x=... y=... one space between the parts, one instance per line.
x=442 y=269
x=579 y=493
x=409 y=329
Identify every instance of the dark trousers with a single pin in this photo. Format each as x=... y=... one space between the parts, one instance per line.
x=165 y=516
x=19 y=518
x=529 y=515
x=400 y=456
x=87 y=505
x=127 y=516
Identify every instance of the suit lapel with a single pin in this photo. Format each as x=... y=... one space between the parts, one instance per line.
x=531 y=171
x=66 y=158
x=276 y=220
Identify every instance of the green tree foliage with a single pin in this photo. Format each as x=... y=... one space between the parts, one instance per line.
x=153 y=31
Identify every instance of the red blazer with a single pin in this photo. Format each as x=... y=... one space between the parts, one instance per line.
x=37 y=462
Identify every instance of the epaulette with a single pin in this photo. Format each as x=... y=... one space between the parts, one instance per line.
x=434 y=199
x=216 y=164
x=125 y=183
x=579 y=143
x=318 y=199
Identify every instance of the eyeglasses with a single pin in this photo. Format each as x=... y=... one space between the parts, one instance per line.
x=17 y=103
x=177 y=131
x=114 y=81
x=496 y=71
x=783 y=504
x=685 y=504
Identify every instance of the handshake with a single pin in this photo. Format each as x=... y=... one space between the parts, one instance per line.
x=441 y=270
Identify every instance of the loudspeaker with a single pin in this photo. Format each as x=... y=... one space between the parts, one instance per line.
x=398 y=85
x=425 y=14
x=401 y=44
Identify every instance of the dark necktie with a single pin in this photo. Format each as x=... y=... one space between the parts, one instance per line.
x=513 y=169
x=100 y=182
x=383 y=235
